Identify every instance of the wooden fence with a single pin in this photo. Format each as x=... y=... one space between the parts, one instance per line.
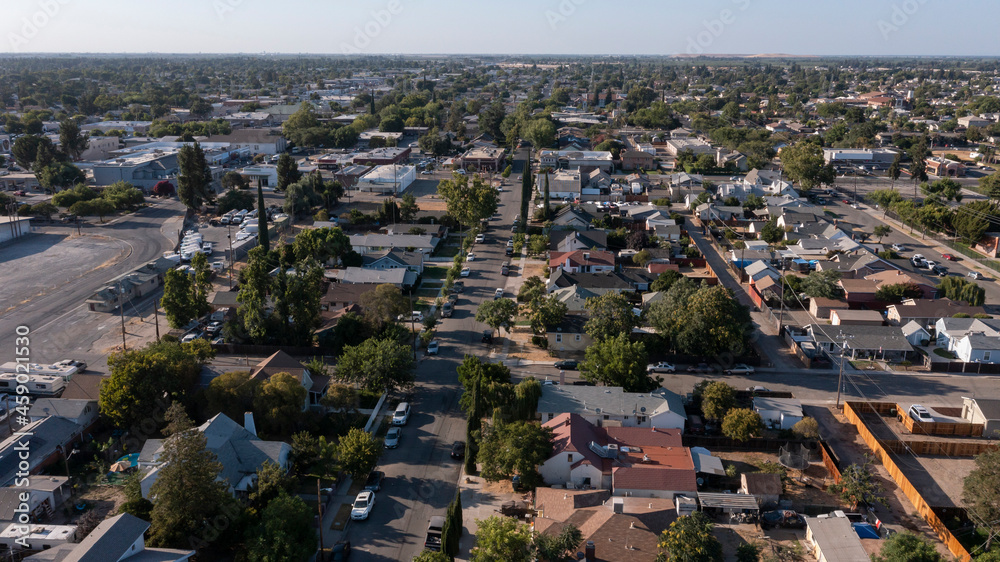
x=830 y=462
x=965 y=368
x=938 y=428
x=852 y=411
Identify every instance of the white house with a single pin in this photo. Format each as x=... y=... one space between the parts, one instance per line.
x=970 y=339
x=778 y=413
x=368 y=243
x=118 y=538
x=562 y=184
x=600 y=405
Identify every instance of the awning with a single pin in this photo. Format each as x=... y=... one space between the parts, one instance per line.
x=707 y=464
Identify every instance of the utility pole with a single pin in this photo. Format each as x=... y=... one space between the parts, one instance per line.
x=840 y=378
x=121 y=310
x=319 y=510
x=156 y=318
x=231 y=260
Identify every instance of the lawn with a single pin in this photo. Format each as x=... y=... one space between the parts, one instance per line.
x=430 y=293
x=943 y=353
x=435 y=272
x=447 y=251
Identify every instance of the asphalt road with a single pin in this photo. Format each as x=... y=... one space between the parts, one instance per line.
x=61 y=326
x=421 y=476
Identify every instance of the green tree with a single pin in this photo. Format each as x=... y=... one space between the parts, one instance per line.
x=272 y=482
x=497 y=313
x=748 y=552
x=545 y=312
x=502 y=538
x=960 y=289
x=516 y=448
x=288 y=171
x=233 y=180
x=944 y=187
x=264 y=237
x=135 y=504
x=771 y=232
x=187 y=491
x=200 y=107
x=279 y=402
x=432 y=556
x=193 y=176
x=561 y=547
x=234 y=200
x=201 y=284
x=611 y=315
x=358 y=451
x=507 y=171
x=123 y=195
x=858 y=485
x=231 y=393
x=72 y=142
x=451 y=533
x=313 y=455
x=300 y=198
x=383 y=305
x=532 y=289
x=322 y=244
x=981 y=492
x=59 y=175
x=907 y=547
x=545 y=199
x=665 y=280
x=717 y=399
x=690 y=539
x=408 y=208
x=45 y=210
x=742 y=424
x=377 y=365
x=895 y=169
x=616 y=361
x=538 y=244
x=972 y=220
x=881 y=231
x=469 y=204
x=822 y=284
x=806 y=428
x=804 y=163
x=255 y=281
x=898 y=292
x=709 y=322
x=178 y=298
x=286 y=532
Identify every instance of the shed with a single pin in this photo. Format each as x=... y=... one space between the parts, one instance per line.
x=821 y=307
x=765 y=486
x=856 y=317
x=728 y=503
x=778 y=413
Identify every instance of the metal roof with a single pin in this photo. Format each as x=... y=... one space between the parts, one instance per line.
x=728 y=502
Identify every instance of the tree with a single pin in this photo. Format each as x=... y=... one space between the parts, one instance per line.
x=187 y=491
x=72 y=142
x=532 y=289
x=881 y=231
x=546 y=199
x=491 y=117
x=541 y=133
x=300 y=198
x=748 y=552
x=358 y=451
x=502 y=538
x=377 y=365
x=123 y=195
x=918 y=167
x=177 y=419
x=432 y=556
x=201 y=284
x=193 y=176
x=754 y=202
x=665 y=280
x=712 y=323
x=981 y=491
x=200 y=107
x=286 y=532
x=690 y=539
x=233 y=180
x=610 y=315
x=804 y=163
x=898 y=292
x=972 y=220
x=858 y=485
x=616 y=361
x=234 y=200
x=469 y=204
x=894 y=169
x=45 y=210
x=451 y=532
x=907 y=547
x=742 y=424
x=255 y=281
x=178 y=298
x=163 y=188
x=561 y=547
x=59 y=175
x=538 y=244
x=322 y=244
x=821 y=284
x=408 y=208
x=264 y=236
x=279 y=402
x=288 y=171
x=507 y=171
x=717 y=399
x=513 y=448
x=771 y=232
x=135 y=504
x=960 y=289
x=806 y=428
x=497 y=313
x=944 y=187
x=545 y=312
x=383 y=305
x=313 y=455
x=231 y=393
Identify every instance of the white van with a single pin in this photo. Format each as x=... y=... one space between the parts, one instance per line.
x=402 y=414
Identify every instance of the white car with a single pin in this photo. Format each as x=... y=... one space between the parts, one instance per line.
x=898 y=248
x=661 y=367
x=415 y=316
x=433 y=348
x=498 y=294
x=480 y=238
x=426 y=173
x=466 y=272
x=362 y=507
x=739 y=369
x=191 y=337
x=470 y=257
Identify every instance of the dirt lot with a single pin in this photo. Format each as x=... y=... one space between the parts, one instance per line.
x=796 y=489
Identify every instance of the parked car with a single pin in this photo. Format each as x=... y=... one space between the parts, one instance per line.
x=940 y=270
x=920 y=413
x=918 y=257
x=739 y=369
x=457 y=287
x=498 y=294
x=415 y=316
x=509 y=251
x=392 y=437
x=899 y=248
x=974 y=275
x=480 y=238
x=566 y=364
x=402 y=414
x=362 y=507
x=470 y=257
x=190 y=337
x=487 y=336
x=782 y=518
x=466 y=271
x=699 y=368
x=661 y=367
x=758 y=389
x=341 y=551
x=458 y=450
x=949 y=257
x=432 y=348
x=374 y=481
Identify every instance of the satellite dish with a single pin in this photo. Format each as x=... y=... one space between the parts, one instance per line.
x=700 y=481
x=643 y=409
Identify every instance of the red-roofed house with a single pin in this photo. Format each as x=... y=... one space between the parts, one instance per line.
x=630 y=461
x=582 y=261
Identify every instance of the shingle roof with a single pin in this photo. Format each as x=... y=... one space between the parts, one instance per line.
x=63 y=407
x=643 y=478
x=111 y=540
x=610 y=400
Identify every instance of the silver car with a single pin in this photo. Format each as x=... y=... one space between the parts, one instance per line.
x=392 y=437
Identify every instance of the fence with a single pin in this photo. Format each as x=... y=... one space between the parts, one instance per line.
x=925 y=510
x=936 y=428
x=830 y=461
x=966 y=368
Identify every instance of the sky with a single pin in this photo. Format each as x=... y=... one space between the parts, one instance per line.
x=572 y=27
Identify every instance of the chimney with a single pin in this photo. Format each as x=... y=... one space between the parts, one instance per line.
x=249 y=424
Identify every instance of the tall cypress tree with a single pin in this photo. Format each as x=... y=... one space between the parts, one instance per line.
x=474 y=424
x=264 y=236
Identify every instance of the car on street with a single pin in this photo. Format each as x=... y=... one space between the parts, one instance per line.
x=566 y=364
x=362 y=506
x=739 y=369
x=940 y=270
x=930 y=264
x=466 y=271
x=699 y=368
x=548 y=382
x=487 y=336
x=341 y=551
x=661 y=367
x=480 y=238
x=433 y=347
x=509 y=251
x=949 y=257
x=426 y=173
x=918 y=257
x=758 y=389
x=498 y=294
x=470 y=257
x=898 y=248
x=458 y=450
x=847 y=201
x=974 y=275
x=392 y=437
x=457 y=287
x=452 y=298
x=374 y=481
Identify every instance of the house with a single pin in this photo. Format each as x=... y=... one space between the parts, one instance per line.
x=731 y=159
x=51 y=438
x=119 y=538
x=985 y=411
x=315 y=384
x=394 y=259
x=821 y=307
x=765 y=486
x=695 y=145
x=972 y=340
x=711 y=211
x=973 y=121
x=630 y=461
x=367 y=243
x=833 y=539
x=133 y=285
x=81 y=412
x=483 y=159
x=582 y=261
x=572 y=240
x=595 y=282
x=563 y=184
x=238 y=449
x=45 y=495
x=857 y=291
x=596 y=180
x=637 y=160
x=927 y=311
x=778 y=413
x=575 y=298
x=569 y=334
x=856 y=317
x=879 y=342
x=571 y=217
x=854 y=266
x=915 y=333
x=897 y=277
x=612 y=406
x=576 y=159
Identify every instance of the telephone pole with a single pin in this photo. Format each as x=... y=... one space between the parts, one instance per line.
x=121 y=310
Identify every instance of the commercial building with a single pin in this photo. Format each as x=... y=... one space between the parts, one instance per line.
x=576 y=159
x=391 y=179
x=879 y=158
x=383 y=156
x=690 y=144
x=483 y=159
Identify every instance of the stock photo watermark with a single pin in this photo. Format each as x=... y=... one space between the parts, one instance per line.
x=901 y=14
x=714 y=28
x=366 y=34
x=30 y=26
x=223 y=7
x=562 y=13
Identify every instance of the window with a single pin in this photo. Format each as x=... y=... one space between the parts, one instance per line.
x=569 y=458
x=641 y=419
x=607 y=417
x=558 y=338
x=551 y=415
x=579 y=337
x=986 y=355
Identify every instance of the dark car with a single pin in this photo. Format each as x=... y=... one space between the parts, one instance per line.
x=458 y=287
x=487 y=336
x=458 y=450
x=700 y=368
x=374 y=482
x=509 y=251
x=940 y=270
x=341 y=551
x=567 y=364
x=782 y=518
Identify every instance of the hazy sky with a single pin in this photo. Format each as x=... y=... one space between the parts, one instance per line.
x=840 y=27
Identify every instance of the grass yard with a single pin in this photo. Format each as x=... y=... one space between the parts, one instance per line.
x=430 y=293
x=447 y=251
x=435 y=272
